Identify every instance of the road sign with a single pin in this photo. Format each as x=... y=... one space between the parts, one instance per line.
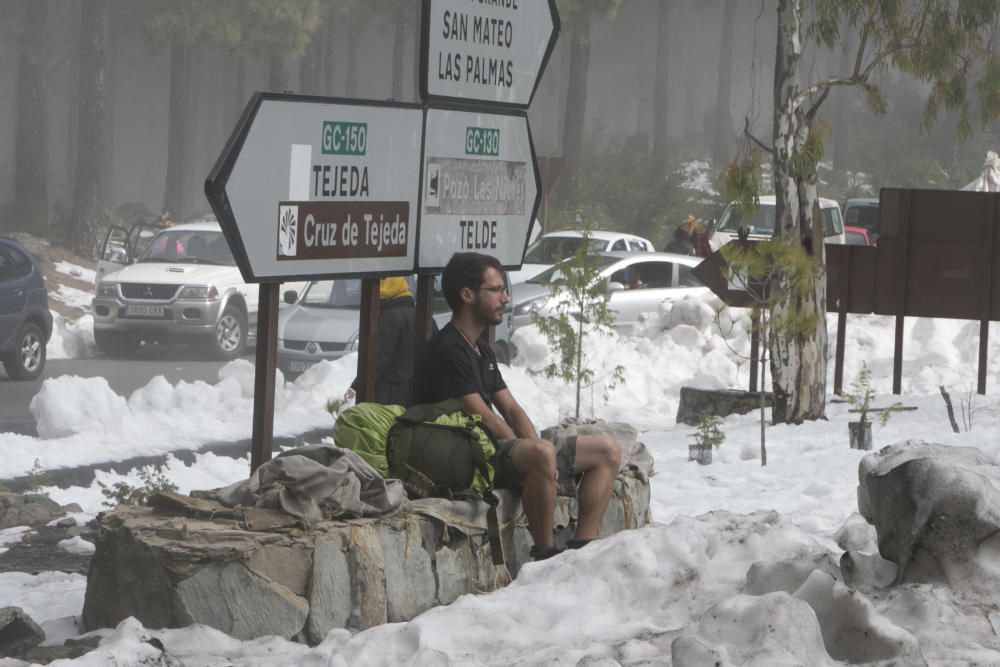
x=481 y=186
x=318 y=188
x=491 y=52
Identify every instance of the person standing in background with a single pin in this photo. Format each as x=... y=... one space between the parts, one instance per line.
x=394 y=347
x=690 y=238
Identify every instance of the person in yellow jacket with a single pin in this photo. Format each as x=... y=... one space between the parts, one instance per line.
x=394 y=347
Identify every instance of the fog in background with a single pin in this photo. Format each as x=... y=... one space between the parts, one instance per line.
x=672 y=81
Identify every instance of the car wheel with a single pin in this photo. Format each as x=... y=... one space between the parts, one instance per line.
x=230 y=335
x=115 y=343
x=27 y=359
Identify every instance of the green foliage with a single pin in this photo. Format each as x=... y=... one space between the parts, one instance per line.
x=37 y=478
x=242 y=26
x=708 y=431
x=153 y=481
x=773 y=271
x=862 y=394
x=578 y=308
x=741 y=184
x=623 y=187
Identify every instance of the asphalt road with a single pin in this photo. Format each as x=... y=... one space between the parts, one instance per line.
x=124 y=376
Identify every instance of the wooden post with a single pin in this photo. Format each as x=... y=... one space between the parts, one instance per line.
x=845 y=295
x=367 y=340
x=906 y=206
x=986 y=293
x=421 y=326
x=263 y=377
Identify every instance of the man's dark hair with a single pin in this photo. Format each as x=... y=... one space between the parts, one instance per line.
x=465 y=269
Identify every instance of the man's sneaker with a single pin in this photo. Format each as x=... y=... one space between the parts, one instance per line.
x=577 y=543
x=544 y=554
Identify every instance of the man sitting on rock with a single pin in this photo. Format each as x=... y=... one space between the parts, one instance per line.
x=458 y=364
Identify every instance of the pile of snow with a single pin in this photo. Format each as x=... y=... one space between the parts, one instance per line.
x=734 y=544
x=72 y=339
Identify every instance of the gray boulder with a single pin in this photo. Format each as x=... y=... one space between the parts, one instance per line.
x=18 y=632
x=936 y=510
x=30 y=509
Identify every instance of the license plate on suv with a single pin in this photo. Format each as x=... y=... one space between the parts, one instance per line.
x=143 y=310
x=299 y=366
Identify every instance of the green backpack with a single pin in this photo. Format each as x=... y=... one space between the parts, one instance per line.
x=437 y=450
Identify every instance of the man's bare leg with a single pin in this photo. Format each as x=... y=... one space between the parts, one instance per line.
x=598 y=457
x=535 y=461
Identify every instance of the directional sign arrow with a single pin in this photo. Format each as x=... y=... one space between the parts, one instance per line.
x=319 y=188
x=491 y=52
x=481 y=186
x=713 y=271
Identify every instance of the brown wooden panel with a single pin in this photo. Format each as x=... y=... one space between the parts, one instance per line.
x=944 y=279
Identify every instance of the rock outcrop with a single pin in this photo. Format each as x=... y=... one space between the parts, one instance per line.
x=256 y=572
x=936 y=510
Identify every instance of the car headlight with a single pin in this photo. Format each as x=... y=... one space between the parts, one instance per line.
x=107 y=289
x=528 y=307
x=353 y=345
x=199 y=292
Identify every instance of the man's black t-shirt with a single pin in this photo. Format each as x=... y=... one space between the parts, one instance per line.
x=450 y=368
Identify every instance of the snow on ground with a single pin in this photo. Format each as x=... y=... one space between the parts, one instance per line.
x=625 y=599
x=72 y=339
x=76 y=271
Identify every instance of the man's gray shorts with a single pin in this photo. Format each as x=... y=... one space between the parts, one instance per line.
x=505 y=474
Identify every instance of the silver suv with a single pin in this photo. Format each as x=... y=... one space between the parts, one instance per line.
x=184 y=287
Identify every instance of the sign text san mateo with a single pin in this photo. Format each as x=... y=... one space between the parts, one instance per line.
x=340 y=221
x=487 y=50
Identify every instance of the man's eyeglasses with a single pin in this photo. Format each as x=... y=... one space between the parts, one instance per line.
x=496 y=290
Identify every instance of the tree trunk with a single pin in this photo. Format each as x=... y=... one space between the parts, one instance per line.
x=723 y=134
x=277 y=73
x=309 y=65
x=31 y=204
x=661 y=102
x=400 y=29
x=798 y=363
x=173 y=198
x=576 y=103
x=840 y=130
x=353 y=46
x=88 y=210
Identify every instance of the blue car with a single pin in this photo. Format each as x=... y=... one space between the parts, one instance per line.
x=25 y=320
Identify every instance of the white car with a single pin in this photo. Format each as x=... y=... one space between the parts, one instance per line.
x=637 y=283
x=323 y=323
x=557 y=246
x=762 y=225
x=184 y=287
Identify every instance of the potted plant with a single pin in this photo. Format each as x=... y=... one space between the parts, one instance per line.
x=861 y=396
x=707 y=437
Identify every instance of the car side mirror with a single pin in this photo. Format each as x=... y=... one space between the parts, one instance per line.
x=291 y=296
x=615 y=286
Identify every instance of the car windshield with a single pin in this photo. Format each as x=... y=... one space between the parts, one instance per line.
x=556 y=276
x=333 y=294
x=863 y=216
x=183 y=245
x=551 y=249
x=762 y=221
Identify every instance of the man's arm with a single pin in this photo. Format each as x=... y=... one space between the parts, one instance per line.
x=494 y=424
x=514 y=414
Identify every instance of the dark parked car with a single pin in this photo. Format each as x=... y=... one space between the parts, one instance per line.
x=25 y=320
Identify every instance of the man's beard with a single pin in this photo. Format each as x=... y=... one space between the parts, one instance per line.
x=491 y=316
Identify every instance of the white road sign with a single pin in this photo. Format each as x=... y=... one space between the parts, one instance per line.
x=313 y=189
x=481 y=186
x=486 y=50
